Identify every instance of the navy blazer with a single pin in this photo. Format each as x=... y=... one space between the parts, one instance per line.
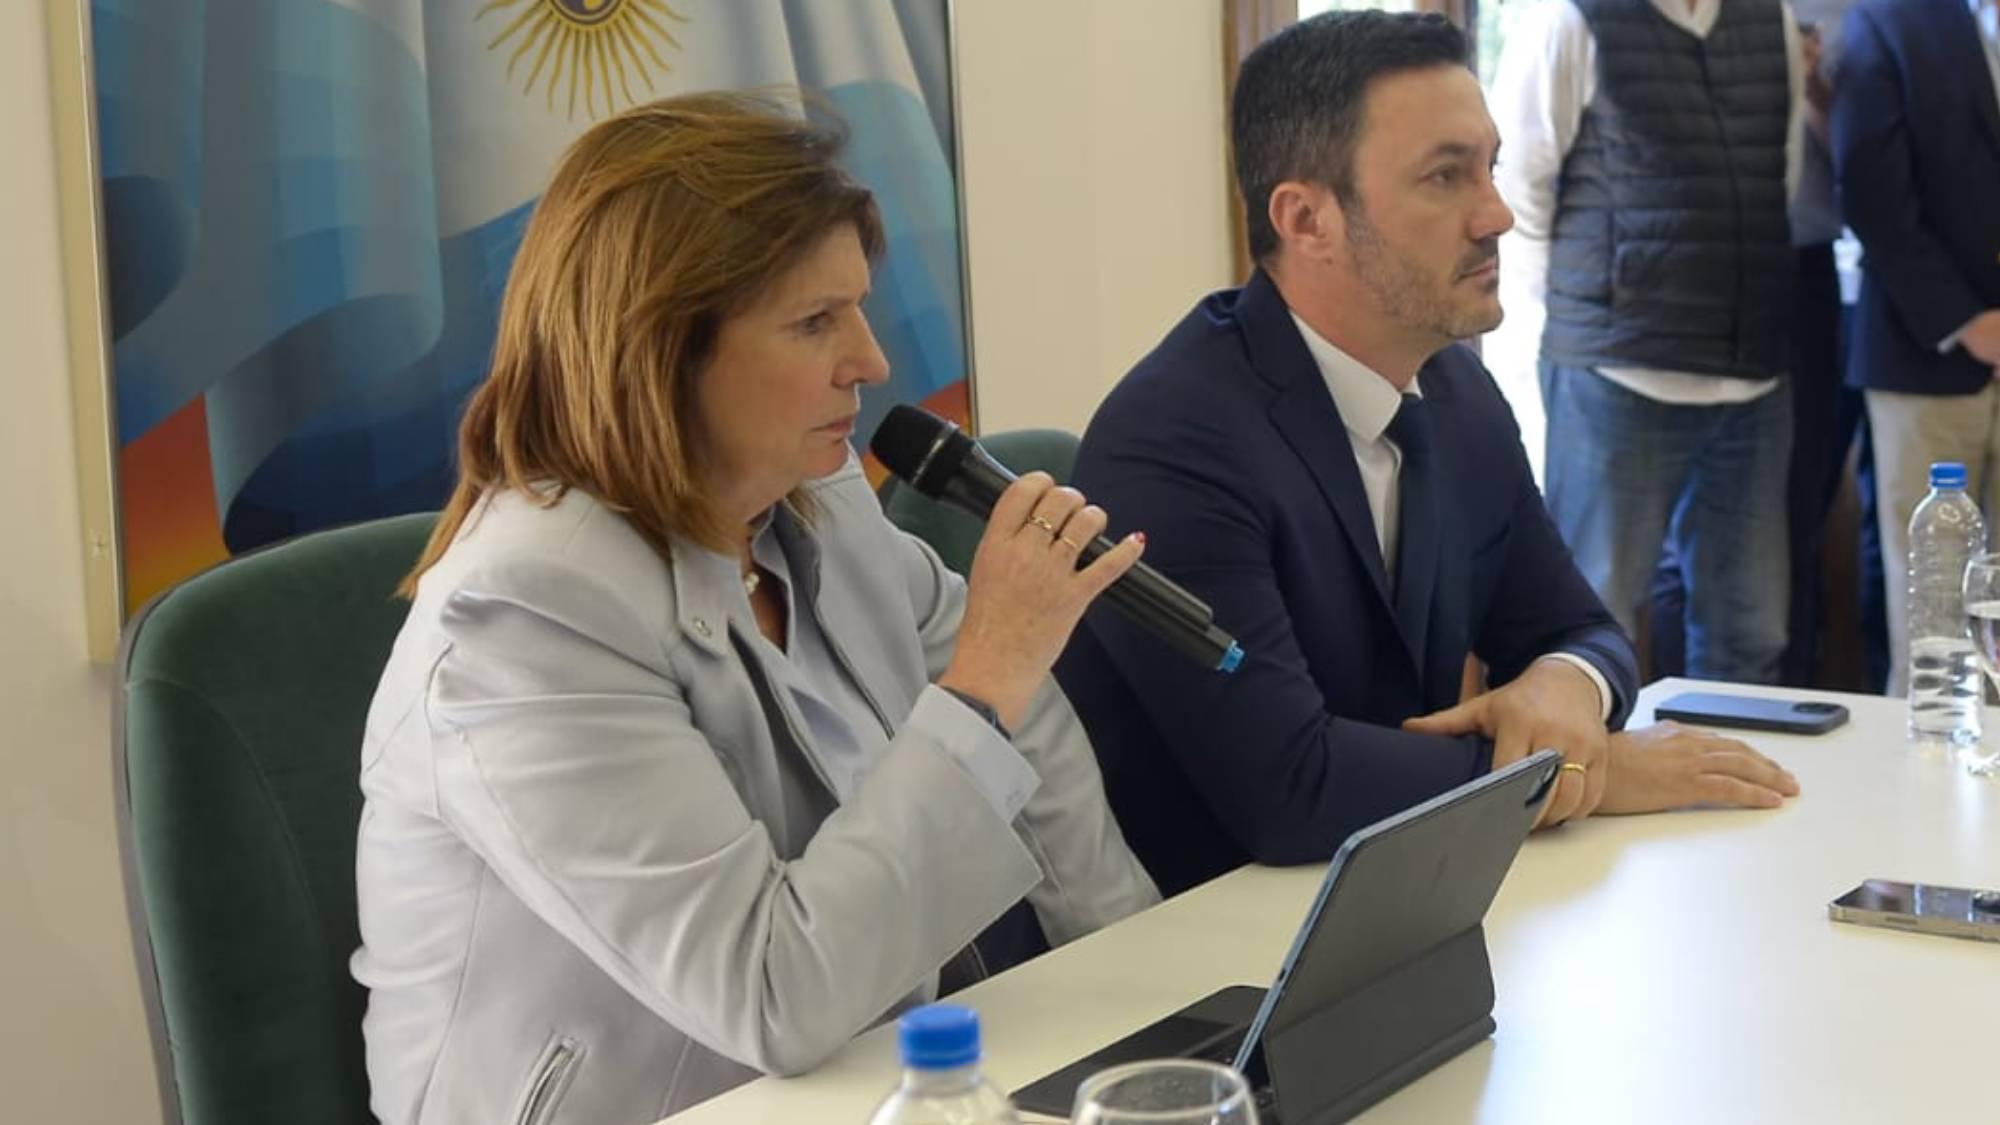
x=1916 y=149
x=1224 y=446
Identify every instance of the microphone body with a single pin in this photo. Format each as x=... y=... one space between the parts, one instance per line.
x=937 y=459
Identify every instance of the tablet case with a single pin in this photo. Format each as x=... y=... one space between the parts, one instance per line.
x=1388 y=976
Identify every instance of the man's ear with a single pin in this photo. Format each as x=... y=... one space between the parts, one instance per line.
x=1308 y=219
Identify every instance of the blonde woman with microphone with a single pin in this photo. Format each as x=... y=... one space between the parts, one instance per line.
x=687 y=765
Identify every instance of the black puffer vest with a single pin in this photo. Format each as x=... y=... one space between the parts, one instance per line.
x=1671 y=247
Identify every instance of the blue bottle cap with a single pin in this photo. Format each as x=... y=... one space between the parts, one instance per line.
x=1947 y=474
x=939 y=1037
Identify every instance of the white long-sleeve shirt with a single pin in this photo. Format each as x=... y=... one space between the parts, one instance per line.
x=1546 y=77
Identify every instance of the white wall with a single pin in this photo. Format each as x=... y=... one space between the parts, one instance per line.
x=72 y=1040
x=1096 y=205
x=1093 y=139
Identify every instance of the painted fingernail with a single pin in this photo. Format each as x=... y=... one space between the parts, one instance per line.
x=1140 y=536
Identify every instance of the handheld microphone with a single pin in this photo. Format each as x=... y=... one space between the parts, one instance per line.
x=937 y=459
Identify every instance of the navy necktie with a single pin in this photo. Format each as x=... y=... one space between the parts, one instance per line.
x=1418 y=532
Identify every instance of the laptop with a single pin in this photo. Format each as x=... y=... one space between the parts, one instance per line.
x=1387 y=978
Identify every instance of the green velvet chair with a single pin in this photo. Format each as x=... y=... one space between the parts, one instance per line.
x=953 y=534
x=237 y=765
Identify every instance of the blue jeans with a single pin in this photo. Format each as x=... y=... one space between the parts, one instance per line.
x=1629 y=479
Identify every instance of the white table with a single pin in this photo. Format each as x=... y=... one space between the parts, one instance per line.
x=1676 y=968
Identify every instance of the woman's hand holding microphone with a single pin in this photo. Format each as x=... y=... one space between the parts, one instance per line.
x=1025 y=593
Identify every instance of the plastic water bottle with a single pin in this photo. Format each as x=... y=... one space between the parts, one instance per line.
x=1945 y=690
x=941 y=1082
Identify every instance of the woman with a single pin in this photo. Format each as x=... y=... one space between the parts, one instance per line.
x=687 y=765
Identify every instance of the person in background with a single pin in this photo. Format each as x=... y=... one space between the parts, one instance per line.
x=1828 y=419
x=687 y=765
x=1826 y=413
x=1313 y=456
x=1648 y=148
x=1916 y=149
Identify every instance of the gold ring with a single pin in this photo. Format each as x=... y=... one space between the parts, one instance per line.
x=1070 y=545
x=1043 y=524
x=1568 y=766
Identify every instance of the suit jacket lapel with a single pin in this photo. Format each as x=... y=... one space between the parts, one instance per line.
x=1305 y=416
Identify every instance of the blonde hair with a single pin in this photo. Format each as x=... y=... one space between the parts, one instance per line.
x=660 y=223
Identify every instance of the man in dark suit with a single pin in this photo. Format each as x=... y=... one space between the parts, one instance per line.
x=1916 y=151
x=1312 y=456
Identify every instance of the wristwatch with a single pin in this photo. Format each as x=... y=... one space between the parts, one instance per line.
x=982 y=709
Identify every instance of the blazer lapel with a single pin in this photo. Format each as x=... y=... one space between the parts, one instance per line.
x=1305 y=416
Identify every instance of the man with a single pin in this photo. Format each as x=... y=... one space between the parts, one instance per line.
x=1650 y=145
x=1916 y=148
x=1311 y=455
x=1826 y=413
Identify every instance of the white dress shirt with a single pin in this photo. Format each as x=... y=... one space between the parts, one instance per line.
x=1547 y=76
x=1367 y=403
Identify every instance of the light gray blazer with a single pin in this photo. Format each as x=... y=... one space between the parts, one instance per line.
x=572 y=905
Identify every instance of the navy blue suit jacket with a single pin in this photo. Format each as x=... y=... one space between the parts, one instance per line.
x=1916 y=149
x=1224 y=446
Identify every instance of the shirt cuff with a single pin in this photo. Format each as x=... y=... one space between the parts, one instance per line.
x=1951 y=341
x=997 y=770
x=1604 y=698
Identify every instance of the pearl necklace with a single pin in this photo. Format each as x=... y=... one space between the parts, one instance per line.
x=751 y=578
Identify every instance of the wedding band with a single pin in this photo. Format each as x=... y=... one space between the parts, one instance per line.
x=1070 y=545
x=1043 y=524
x=1568 y=766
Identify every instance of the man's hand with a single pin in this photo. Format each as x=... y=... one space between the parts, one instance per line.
x=1981 y=337
x=1553 y=705
x=1669 y=766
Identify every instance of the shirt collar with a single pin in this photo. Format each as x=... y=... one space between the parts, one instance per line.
x=1697 y=22
x=1367 y=402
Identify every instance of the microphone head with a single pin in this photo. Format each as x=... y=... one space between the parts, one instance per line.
x=920 y=447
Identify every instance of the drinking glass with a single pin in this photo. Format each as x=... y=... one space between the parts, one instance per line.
x=1165 y=1092
x=1982 y=606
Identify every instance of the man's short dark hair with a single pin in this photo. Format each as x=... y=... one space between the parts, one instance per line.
x=1300 y=96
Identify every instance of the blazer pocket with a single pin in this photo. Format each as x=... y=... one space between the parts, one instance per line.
x=549 y=1080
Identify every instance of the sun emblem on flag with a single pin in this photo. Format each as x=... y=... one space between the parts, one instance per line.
x=584 y=46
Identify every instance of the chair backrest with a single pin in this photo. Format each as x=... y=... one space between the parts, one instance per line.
x=237 y=764
x=953 y=534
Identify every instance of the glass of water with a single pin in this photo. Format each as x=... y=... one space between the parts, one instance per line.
x=1982 y=606
x=1165 y=1092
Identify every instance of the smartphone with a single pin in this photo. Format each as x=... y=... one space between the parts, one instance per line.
x=1921 y=908
x=1788 y=716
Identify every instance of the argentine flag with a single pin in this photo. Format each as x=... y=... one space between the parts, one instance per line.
x=311 y=207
